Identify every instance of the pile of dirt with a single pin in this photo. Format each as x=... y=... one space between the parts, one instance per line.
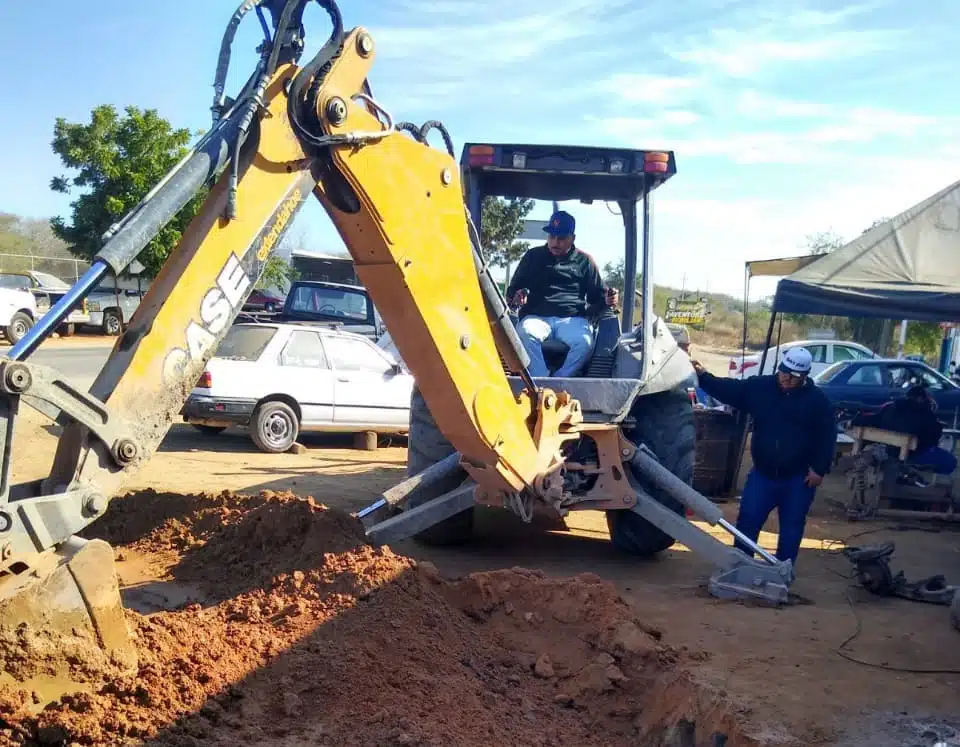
x=309 y=636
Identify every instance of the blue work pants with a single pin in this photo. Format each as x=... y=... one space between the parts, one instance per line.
x=790 y=496
x=575 y=331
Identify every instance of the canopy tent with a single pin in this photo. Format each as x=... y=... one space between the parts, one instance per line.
x=905 y=268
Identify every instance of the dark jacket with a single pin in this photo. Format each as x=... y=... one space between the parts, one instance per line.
x=558 y=286
x=792 y=431
x=906 y=416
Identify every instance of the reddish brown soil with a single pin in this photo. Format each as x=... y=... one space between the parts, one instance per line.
x=309 y=636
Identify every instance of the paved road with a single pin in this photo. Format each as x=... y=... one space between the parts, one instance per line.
x=81 y=363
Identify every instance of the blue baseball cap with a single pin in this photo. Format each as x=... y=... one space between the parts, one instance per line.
x=561 y=224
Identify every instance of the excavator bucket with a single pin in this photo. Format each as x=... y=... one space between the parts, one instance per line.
x=62 y=626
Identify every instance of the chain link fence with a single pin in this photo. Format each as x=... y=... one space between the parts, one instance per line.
x=68 y=270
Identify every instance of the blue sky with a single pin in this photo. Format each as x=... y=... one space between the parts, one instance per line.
x=787 y=118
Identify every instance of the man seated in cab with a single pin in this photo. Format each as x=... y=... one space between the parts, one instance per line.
x=557 y=288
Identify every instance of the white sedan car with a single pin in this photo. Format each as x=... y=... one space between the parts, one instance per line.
x=825 y=353
x=280 y=379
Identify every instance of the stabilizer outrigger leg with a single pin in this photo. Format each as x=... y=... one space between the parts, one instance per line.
x=737 y=575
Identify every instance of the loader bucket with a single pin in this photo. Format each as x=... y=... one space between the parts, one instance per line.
x=62 y=625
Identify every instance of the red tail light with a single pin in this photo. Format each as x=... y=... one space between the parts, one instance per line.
x=732 y=366
x=206 y=380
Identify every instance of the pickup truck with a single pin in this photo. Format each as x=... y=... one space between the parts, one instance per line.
x=110 y=308
x=47 y=289
x=334 y=305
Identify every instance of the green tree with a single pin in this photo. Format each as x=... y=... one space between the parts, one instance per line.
x=500 y=224
x=277 y=273
x=823 y=242
x=117 y=160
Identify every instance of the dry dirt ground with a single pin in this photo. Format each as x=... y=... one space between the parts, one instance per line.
x=264 y=620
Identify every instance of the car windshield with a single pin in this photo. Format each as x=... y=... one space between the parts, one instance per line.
x=14 y=281
x=245 y=343
x=50 y=281
x=829 y=373
x=336 y=302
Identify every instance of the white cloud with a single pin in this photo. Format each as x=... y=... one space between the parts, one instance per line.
x=646 y=88
x=758 y=105
x=744 y=53
x=747 y=42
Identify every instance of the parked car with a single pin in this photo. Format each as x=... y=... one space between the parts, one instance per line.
x=866 y=385
x=280 y=379
x=47 y=289
x=111 y=308
x=332 y=305
x=825 y=353
x=261 y=300
x=18 y=312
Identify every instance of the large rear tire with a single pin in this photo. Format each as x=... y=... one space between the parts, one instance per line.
x=665 y=425
x=426 y=446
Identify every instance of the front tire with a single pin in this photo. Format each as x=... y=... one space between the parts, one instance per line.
x=275 y=427
x=665 y=425
x=112 y=324
x=426 y=446
x=20 y=324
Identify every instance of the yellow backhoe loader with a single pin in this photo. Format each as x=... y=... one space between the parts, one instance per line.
x=618 y=438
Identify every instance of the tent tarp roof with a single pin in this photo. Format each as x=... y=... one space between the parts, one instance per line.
x=781 y=266
x=905 y=268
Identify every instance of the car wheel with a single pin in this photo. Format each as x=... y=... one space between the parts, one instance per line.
x=275 y=427
x=67 y=330
x=111 y=323
x=19 y=325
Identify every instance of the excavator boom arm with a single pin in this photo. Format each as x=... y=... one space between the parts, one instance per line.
x=397 y=203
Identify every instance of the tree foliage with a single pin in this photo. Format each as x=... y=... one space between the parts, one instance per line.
x=116 y=160
x=823 y=242
x=277 y=273
x=501 y=224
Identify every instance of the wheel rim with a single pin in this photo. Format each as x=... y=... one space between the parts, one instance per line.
x=276 y=429
x=113 y=325
x=19 y=329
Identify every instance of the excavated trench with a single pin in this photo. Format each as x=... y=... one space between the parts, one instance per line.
x=266 y=619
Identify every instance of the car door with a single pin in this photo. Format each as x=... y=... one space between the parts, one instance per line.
x=303 y=373
x=368 y=389
x=866 y=388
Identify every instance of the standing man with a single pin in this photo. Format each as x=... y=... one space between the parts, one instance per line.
x=558 y=288
x=794 y=440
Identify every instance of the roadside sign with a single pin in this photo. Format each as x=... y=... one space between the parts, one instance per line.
x=533 y=230
x=690 y=311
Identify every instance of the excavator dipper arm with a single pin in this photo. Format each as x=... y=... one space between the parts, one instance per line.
x=397 y=203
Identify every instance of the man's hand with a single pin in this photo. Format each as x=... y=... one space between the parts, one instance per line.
x=698 y=367
x=812 y=479
x=519 y=298
x=612 y=296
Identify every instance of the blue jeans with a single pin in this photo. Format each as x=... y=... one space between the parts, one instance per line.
x=792 y=499
x=940 y=460
x=575 y=331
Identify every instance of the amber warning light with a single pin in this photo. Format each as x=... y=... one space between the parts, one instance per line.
x=480 y=155
x=656 y=163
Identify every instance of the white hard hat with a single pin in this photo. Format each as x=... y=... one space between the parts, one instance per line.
x=796 y=361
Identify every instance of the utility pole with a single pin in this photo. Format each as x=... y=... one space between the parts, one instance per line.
x=903 y=338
